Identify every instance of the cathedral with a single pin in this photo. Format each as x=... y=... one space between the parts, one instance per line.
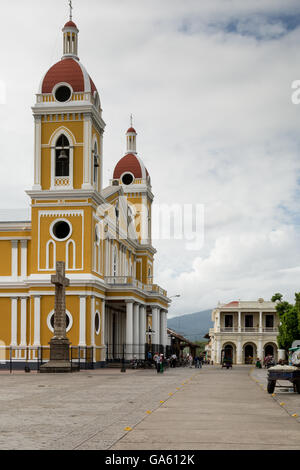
x=102 y=234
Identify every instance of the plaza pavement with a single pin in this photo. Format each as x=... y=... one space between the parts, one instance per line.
x=184 y=408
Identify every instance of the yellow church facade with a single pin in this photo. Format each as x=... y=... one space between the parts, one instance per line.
x=102 y=234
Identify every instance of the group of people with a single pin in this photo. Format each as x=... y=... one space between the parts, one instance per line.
x=159 y=362
x=173 y=361
x=268 y=361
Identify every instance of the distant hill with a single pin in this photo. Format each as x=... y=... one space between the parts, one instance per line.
x=193 y=325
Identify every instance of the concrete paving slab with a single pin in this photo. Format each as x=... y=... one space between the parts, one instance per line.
x=214 y=409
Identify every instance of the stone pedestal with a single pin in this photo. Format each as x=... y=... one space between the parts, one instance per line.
x=59 y=357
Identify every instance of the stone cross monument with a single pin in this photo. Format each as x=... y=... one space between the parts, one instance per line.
x=59 y=344
x=60 y=282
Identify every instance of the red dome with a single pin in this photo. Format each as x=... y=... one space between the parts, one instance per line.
x=131 y=129
x=132 y=164
x=70 y=24
x=70 y=71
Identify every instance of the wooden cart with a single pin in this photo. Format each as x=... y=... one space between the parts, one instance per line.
x=292 y=376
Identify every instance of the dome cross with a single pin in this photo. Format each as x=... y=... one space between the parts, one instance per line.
x=71 y=8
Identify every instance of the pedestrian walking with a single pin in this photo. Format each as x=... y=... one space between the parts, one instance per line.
x=156 y=359
x=161 y=363
x=173 y=360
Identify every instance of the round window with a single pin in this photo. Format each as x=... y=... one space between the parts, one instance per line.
x=63 y=93
x=97 y=323
x=52 y=321
x=61 y=230
x=127 y=178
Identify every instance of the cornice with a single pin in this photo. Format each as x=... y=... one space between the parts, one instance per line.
x=66 y=194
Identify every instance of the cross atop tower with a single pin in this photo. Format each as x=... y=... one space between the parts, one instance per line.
x=71 y=8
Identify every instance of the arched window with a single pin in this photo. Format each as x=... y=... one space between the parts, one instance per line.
x=70 y=255
x=50 y=254
x=62 y=156
x=96 y=164
x=117 y=212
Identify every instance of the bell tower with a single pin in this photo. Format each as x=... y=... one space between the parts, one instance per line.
x=131 y=173
x=68 y=162
x=68 y=124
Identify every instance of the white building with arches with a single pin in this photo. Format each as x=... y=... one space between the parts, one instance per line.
x=244 y=331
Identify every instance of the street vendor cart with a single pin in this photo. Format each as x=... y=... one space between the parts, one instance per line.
x=283 y=373
x=289 y=372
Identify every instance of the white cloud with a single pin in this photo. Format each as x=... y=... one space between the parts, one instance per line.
x=209 y=84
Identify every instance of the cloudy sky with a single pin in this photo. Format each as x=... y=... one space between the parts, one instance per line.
x=209 y=85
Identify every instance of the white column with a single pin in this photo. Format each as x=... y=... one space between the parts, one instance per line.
x=37 y=151
x=155 y=326
x=37 y=320
x=87 y=153
x=23 y=258
x=136 y=329
x=161 y=316
x=92 y=320
x=101 y=165
x=260 y=350
x=239 y=359
x=14 y=258
x=129 y=329
x=103 y=350
x=218 y=351
x=219 y=322
x=14 y=321
x=23 y=321
x=82 y=321
x=165 y=326
x=142 y=340
x=239 y=322
x=260 y=322
x=107 y=254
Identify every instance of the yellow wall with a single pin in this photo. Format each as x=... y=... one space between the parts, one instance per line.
x=5 y=319
x=5 y=257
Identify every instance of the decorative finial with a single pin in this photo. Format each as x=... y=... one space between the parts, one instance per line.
x=71 y=8
x=131 y=120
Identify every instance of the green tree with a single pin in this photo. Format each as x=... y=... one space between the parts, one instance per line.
x=297 y=307
x=276 y=296
x=289 y=316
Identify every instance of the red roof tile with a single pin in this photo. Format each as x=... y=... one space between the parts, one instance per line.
x=234 y=303
x=68 y=71
x=70 y=24
x=128 y=163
